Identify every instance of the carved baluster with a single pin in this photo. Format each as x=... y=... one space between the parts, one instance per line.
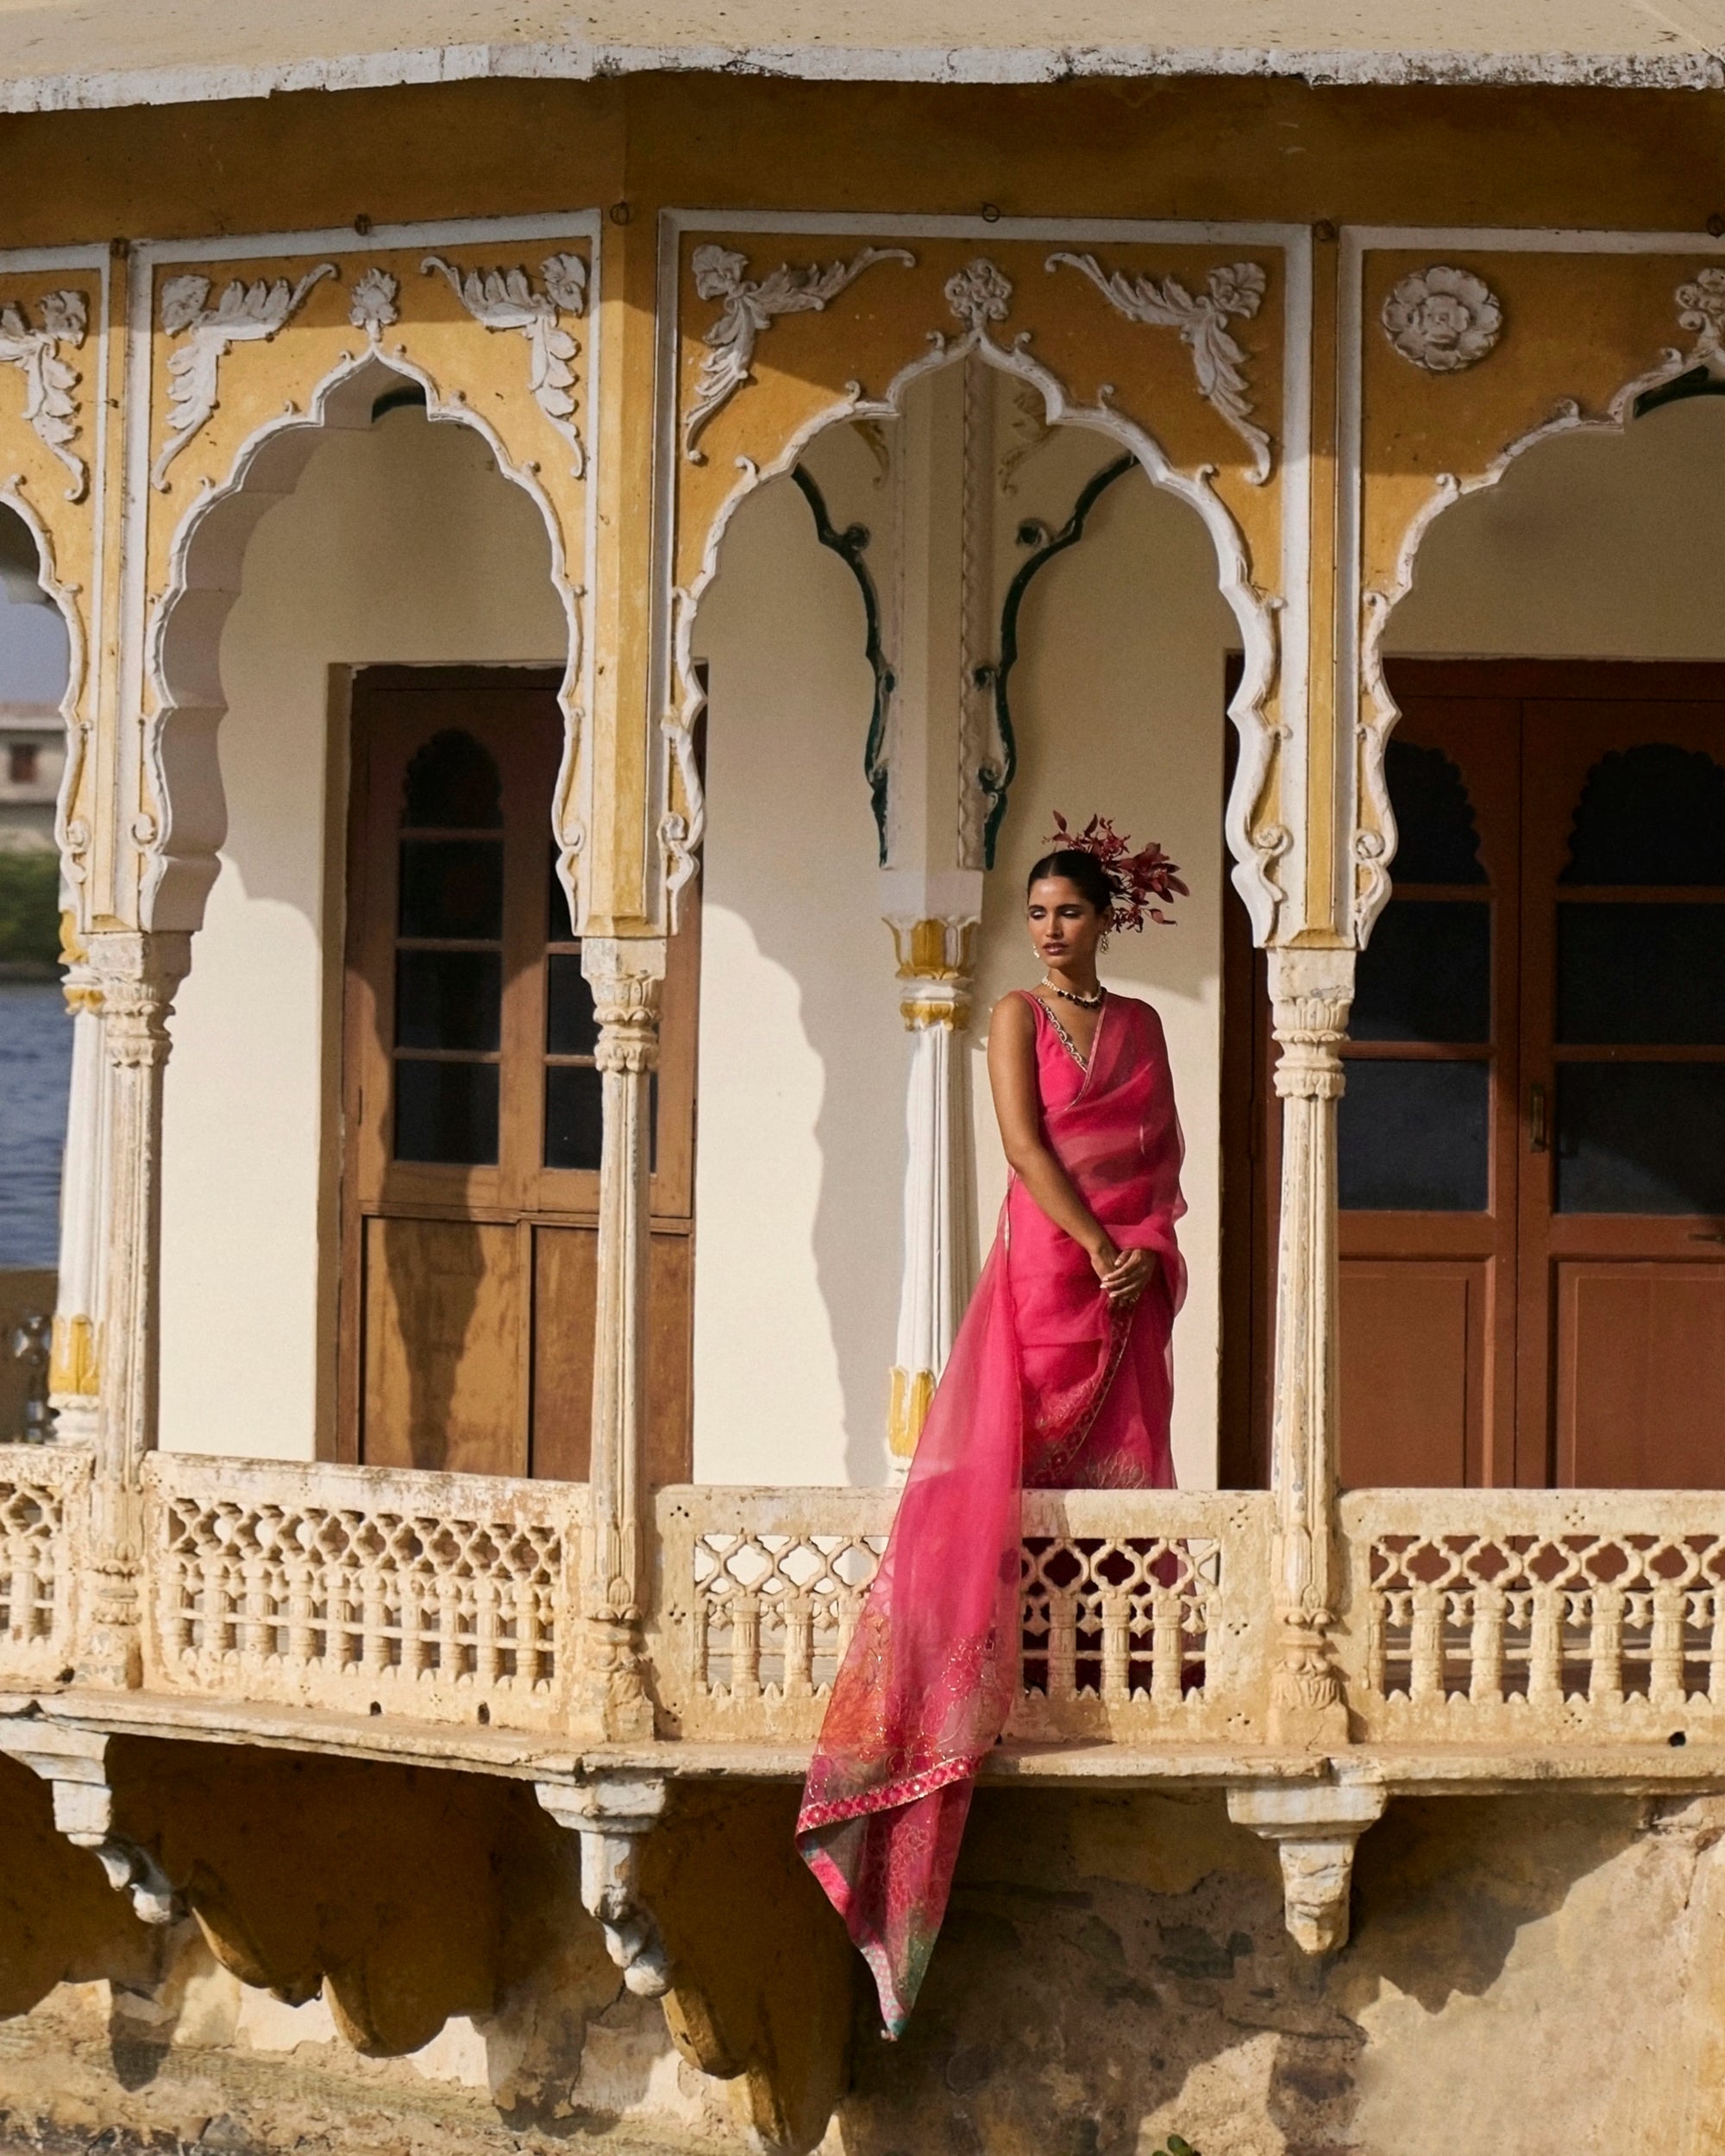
x=374 y=1618
x=1116 y=1645
x=1665 y=1679
x=1716 y=1648
x=254 y=1628
x=1485 y=1645
x=1063 y=1607
x=21 y=1625
x=849 y=1615
x=797 y=1614
x=138 y=975
x=1377 y=1627
x=1166 y=1645
x=1426 y=1647
x=1545 y=1646
x=1605 y=1646
x=612 y=1696
x=536 y=1621
x=301 y=1606
x=745 y=1645
x=488 y=1664
x=449 y=1596
x=701 y=1647
x=1310 y=992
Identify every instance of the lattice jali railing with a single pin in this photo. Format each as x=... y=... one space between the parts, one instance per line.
x=1137 y=1605
x=442 y=1597
x=1598 y=1610
x=44 y=1495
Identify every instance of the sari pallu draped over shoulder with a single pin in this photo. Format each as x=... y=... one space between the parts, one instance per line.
x=1048 y=1386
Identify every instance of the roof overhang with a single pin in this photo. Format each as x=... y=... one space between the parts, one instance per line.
x=66 y=55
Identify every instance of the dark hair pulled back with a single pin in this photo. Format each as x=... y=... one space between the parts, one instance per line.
x=1082 y=869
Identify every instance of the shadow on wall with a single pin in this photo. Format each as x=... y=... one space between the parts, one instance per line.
x=803 y=1057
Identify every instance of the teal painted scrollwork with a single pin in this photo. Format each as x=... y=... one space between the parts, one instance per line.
x=850 y=545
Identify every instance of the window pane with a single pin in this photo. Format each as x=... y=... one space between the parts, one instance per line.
x=1650 y=814
x=1415 y=1138
x=573 y=1120
x=571 y=1027
x=451 y=887
x=453 y=785
x=1425 y=975
x=446 y=1111
x=1436 y=840
x=1640 y=1137
x=448 y=999
x=1642 y=973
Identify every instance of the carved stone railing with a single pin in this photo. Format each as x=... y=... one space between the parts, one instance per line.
x=1546 y=1616
x=437 y=1597
x=44 y=1495
x=1146 y=1613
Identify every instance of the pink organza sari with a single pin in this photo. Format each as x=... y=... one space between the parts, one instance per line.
x=1047 y=1387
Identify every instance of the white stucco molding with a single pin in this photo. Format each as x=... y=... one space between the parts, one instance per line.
x=91 y=58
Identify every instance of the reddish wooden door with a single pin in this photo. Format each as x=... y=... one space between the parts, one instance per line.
x=1532 y=1145
x=471 y=1097
x=1623 y=1185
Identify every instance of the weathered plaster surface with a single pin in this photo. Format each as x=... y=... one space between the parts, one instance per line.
x=1538 y=1973
x=60 y=57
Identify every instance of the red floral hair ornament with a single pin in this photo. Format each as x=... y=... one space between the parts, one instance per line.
x=1134 y=878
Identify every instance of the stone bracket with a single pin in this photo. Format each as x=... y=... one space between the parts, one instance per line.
x=613 y=1818
x=1314 y=1828
x=74 y=1763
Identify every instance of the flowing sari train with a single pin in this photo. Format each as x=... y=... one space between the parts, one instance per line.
x=1046 y=1386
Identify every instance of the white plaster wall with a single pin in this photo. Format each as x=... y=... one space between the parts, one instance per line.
x=803 y=1059
x=1592 y=546
x=401 y=543
x=1119 y=705
x=1118 y=700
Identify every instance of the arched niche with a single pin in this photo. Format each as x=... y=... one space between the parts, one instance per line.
x=1592 y=539
x=400 y=541
x=207 y=556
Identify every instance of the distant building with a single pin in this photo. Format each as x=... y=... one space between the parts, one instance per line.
x=32 y=757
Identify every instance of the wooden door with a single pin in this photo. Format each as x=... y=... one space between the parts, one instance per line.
x=1532 y=1143
x=1427 y=1127
x=470 y=1101
x=1623 y=1187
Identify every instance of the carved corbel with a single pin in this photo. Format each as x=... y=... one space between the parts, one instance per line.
x=74 y=1763
x=613 y=1818
x=1314 y=1828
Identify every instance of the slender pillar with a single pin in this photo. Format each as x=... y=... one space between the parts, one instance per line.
x=626 y=976
x=137 y=975
x=1310 y=995
x=73 y=1368
x=936 y=963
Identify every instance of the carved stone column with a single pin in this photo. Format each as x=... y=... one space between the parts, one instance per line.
x=626 y=976
x=138 y=975
x=73 y=1367
x=1310 y=994
x=936 y=963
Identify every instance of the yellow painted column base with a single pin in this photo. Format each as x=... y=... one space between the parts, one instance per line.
x=907 y=1409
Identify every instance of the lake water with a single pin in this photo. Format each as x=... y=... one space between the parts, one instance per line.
x=36 y=1070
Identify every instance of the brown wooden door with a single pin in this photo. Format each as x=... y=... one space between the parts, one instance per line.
x=1532 y=1145
x=471 y=1098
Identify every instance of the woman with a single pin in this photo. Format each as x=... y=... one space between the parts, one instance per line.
x=1059 y=1378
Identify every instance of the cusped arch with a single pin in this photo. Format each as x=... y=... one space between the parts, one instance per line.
x=1373 y=846
x=1257 y=848
x=72 y=830
x=178 y=838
